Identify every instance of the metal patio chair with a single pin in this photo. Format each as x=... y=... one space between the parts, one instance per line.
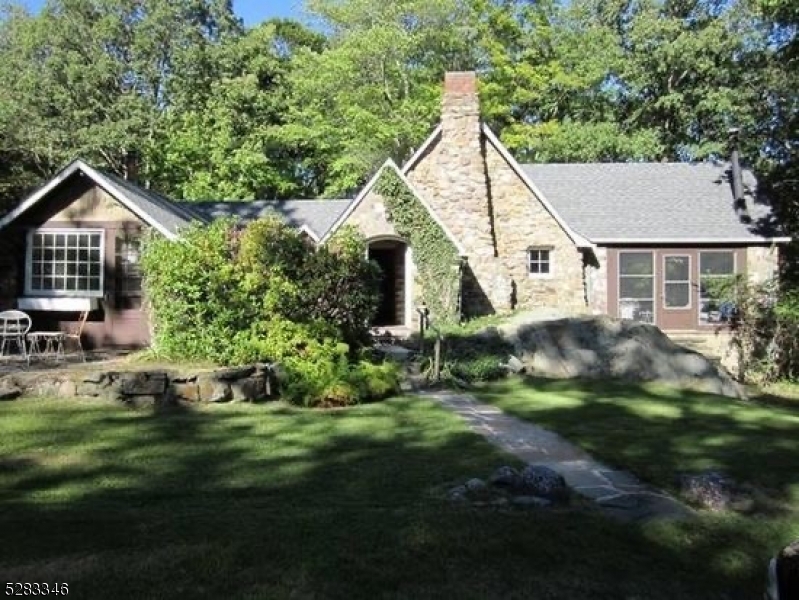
x=14 y=326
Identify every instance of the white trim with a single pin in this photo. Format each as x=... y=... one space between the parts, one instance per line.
x=62 y=293
x=409 y=276
x=310 y=232
x=665 y=281
x=58 y=303
x=78 y=165
x=693 y=241
x=416 y=157
x=368 y=188
x=577 y=239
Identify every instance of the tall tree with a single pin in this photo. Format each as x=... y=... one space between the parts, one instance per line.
x=93 y=78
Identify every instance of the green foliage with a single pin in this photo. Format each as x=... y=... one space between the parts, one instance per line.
x=764 y=332
x=261 y=293
x=434 y=253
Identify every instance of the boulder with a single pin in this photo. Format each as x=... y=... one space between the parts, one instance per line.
x=506 y=477
x=249 y=389
x=476 y=486
x=211 y=389
x=143 y=383
x=539 y=480
x=603 y=347
x=233 y=373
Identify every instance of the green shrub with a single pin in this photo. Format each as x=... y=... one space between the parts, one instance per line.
x=240 y=295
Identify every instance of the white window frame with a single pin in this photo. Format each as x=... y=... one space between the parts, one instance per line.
x=654 y=283
x=688 y=306
x=699 y=280
x=549 y=261
x=62 y=293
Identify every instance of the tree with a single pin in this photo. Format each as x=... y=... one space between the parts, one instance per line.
x=93 y=78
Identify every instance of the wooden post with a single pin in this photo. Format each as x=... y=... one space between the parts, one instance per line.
x=437 y=359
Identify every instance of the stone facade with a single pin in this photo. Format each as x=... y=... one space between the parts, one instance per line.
x=762 y=263
x=371 y=219
x=596 y=281
x=493 y=214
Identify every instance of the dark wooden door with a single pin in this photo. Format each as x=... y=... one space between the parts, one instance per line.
x=386 y=259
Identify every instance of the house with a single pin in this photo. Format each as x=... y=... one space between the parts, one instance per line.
x=641 y=241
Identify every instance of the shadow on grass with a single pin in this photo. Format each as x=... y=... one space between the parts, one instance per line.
x=277 y=502
x=660 y=432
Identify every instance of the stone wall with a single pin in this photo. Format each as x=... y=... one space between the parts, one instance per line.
x=251 y=383
x=493 y=214
x=762 y=263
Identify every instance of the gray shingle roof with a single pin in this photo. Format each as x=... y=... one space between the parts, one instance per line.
x=169 y=214
x=316 y=215
x=653 y=201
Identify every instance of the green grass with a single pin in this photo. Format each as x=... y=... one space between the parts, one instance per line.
x=267 y=501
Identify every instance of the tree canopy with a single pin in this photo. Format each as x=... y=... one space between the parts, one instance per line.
x=304 y=109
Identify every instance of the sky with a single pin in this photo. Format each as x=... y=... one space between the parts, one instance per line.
x=252 y=11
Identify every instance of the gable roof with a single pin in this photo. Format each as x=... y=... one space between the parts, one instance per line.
x=435 y=135
x=152 y=208
x=654 y=202
x=312 y=216
x=390 y=164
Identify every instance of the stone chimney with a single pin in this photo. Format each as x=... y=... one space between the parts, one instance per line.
x=463 y=190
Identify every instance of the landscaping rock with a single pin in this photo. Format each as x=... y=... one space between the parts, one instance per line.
x=530 y=501
x=458 y=494
x=476 y=486
x=506 y=477
x=144 y=383
x=710 y=490
x=185 y=391
x=9 y=391
x=544 y=482
x=514 y=365
x=233 y=373
x=603 y=347
x=213 y=390
x=249 y=389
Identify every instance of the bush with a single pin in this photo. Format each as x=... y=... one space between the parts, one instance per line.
x=260 y=293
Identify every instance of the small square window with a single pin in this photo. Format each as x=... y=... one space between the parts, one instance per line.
x=539 y=261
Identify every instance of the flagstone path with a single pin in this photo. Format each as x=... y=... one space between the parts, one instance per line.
x=616 y=493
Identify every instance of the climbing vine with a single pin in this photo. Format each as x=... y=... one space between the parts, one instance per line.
x=434 y=254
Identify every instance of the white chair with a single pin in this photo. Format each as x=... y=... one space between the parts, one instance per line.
x=14 y=326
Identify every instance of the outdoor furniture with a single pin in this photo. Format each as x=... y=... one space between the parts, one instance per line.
x=46 y=344
x=51 y=344
x=75 y=334
x=14 y=326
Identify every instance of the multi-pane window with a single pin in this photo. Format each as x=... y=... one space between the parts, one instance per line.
x=127 y=271
x=677 y=281
x=717 y=286
x=637 y=286
x=65 y=263
x=539 y=261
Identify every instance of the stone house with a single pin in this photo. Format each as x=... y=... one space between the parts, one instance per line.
x=642 y=241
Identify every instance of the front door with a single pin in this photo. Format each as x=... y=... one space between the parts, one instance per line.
x=126 y=321
x=676 y=308
x=386 y=258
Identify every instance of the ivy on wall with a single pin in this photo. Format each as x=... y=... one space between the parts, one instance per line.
x=434 y=254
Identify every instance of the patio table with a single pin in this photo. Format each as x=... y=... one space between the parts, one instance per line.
x=46 y=344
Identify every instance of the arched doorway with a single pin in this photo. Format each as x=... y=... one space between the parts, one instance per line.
x=393 y=257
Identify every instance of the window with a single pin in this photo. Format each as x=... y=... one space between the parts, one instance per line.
x=127 y=270
x=717 y=286
x=637 y=286
x=677 y=281
x=63 y=262
x=539 y=261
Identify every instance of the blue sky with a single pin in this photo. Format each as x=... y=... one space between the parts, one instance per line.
x=252 y=11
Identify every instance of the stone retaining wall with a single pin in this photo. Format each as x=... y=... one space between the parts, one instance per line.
x=166 y=386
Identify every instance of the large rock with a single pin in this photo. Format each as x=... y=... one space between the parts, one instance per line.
x=143 y=383
x=541 y=481
x=506 y=477
x=603 y=347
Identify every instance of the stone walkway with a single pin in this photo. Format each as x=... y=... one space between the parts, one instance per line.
x=617 y=493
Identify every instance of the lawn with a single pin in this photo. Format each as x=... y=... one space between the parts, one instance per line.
x=268 y=501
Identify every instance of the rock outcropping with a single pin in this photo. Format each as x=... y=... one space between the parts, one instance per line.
x=603 y=347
